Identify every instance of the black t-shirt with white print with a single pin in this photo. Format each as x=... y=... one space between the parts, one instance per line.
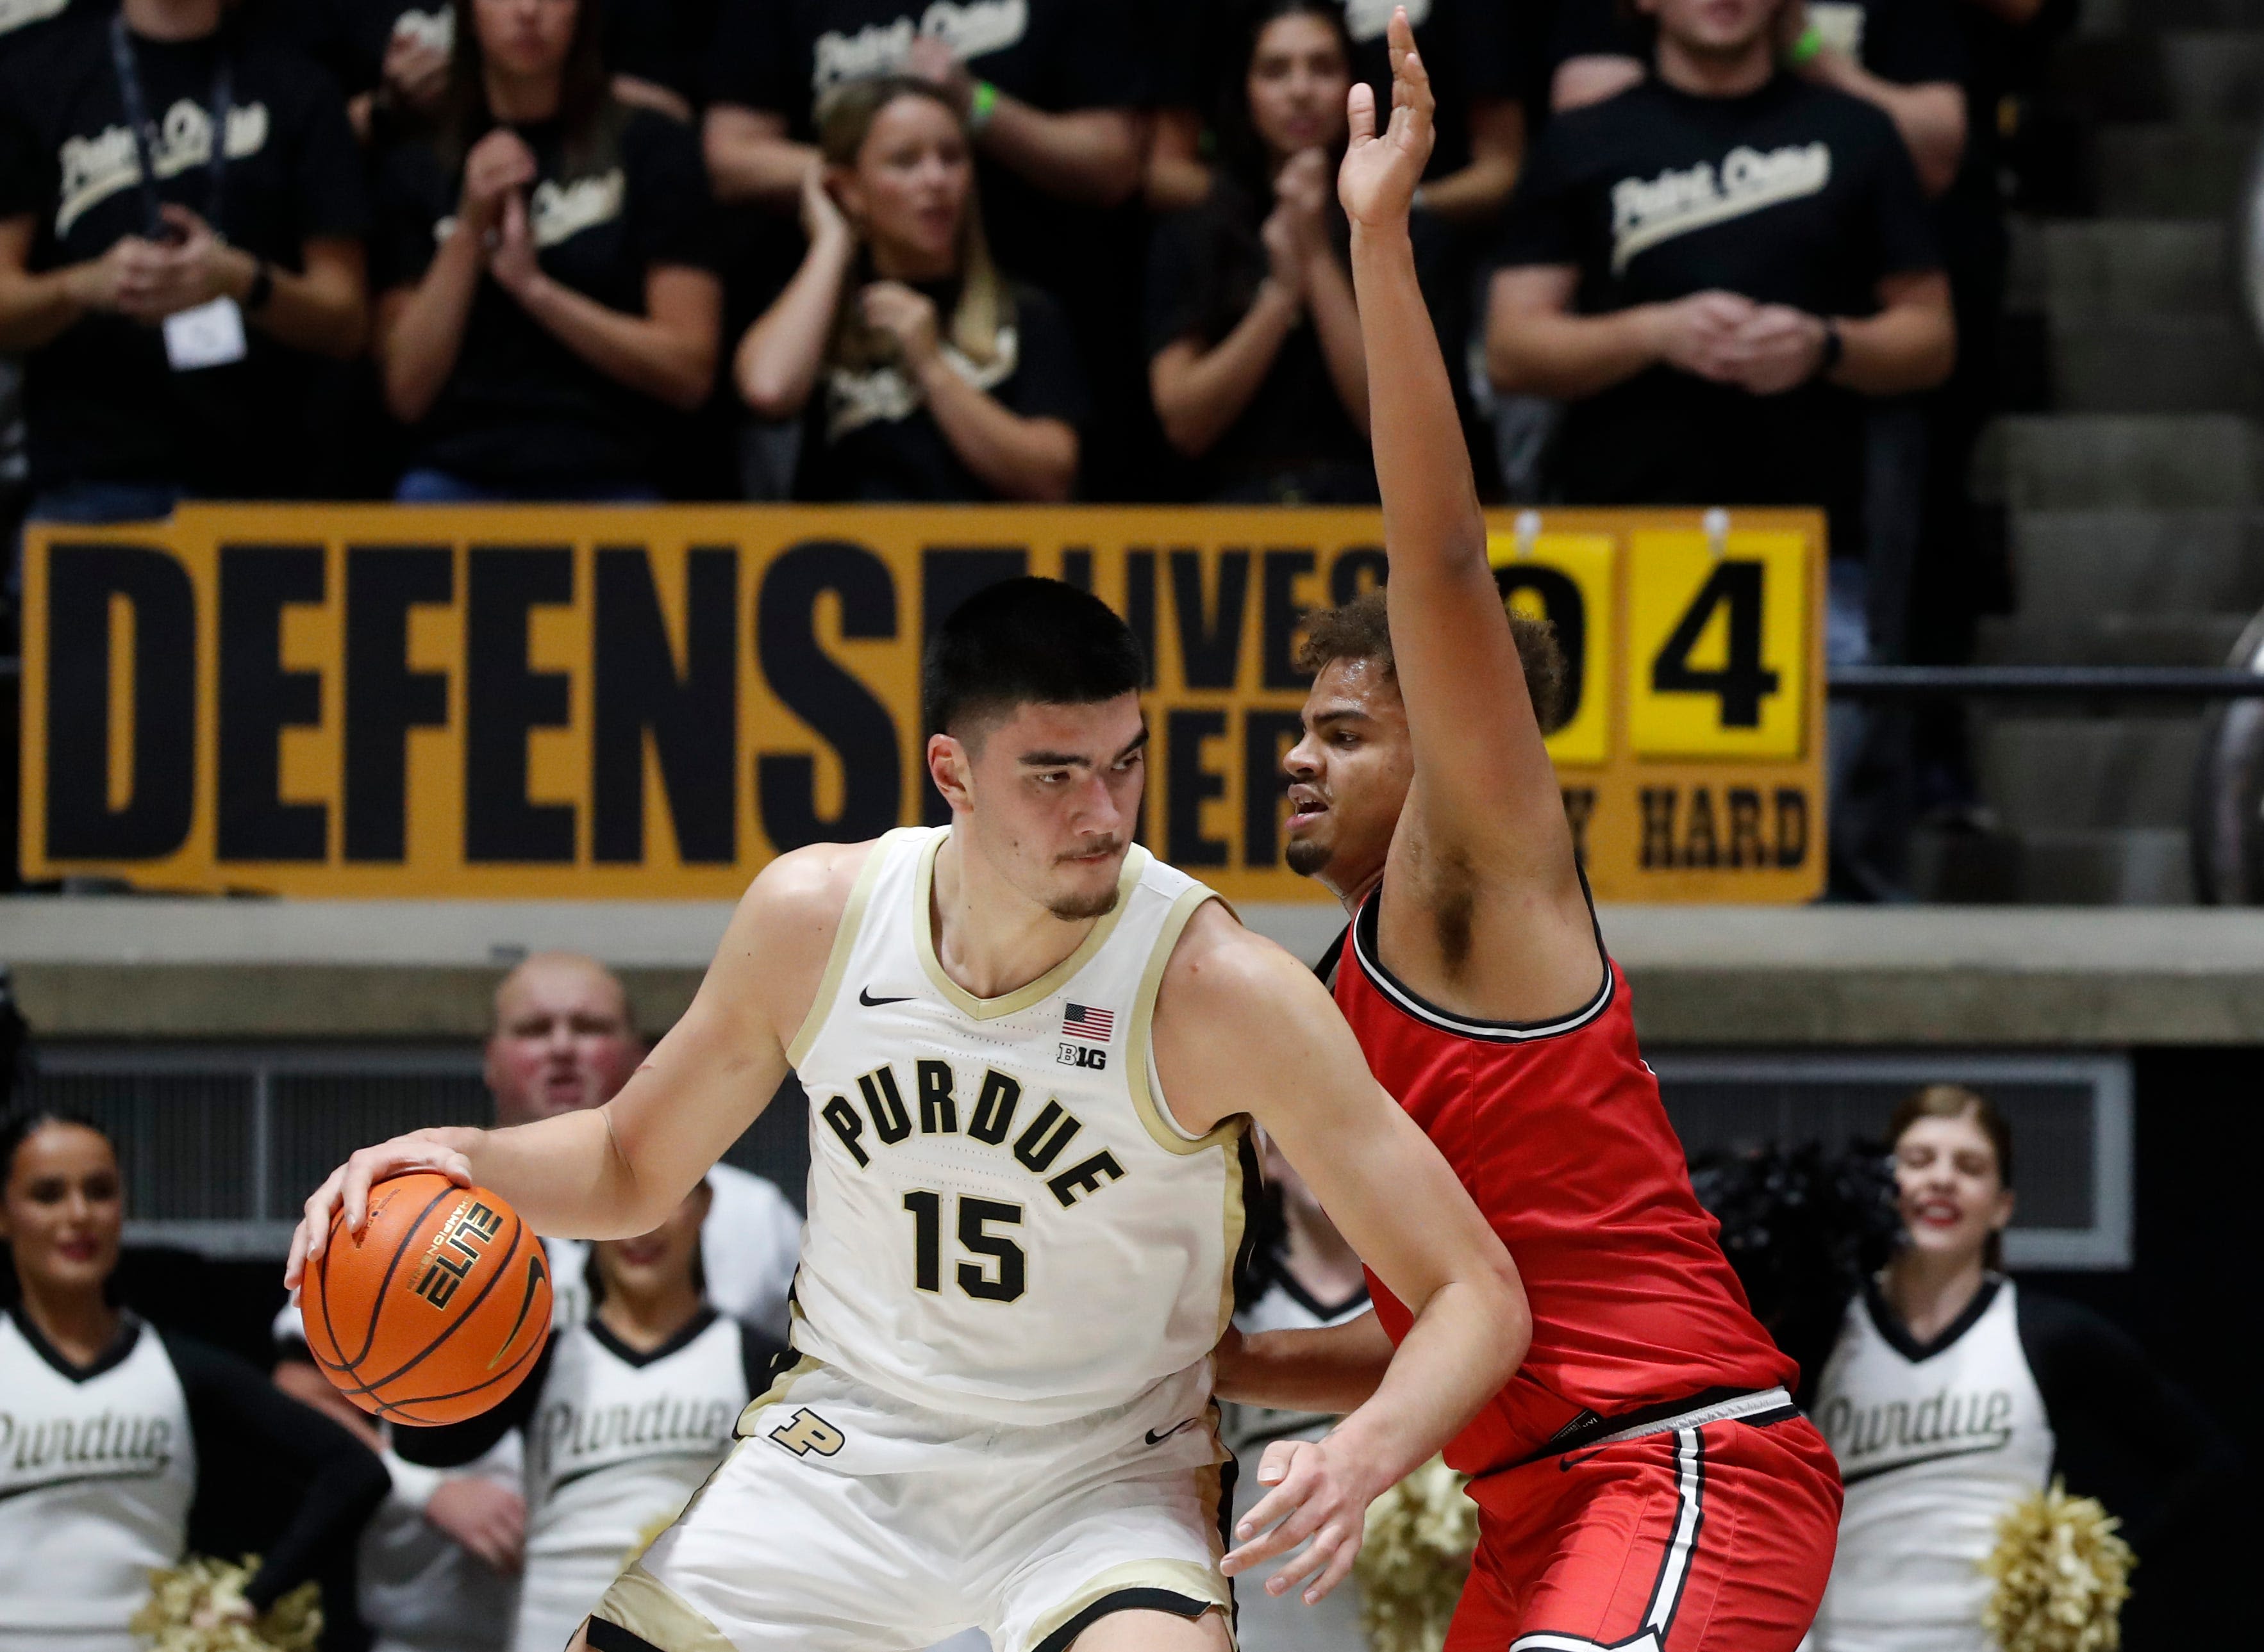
x=101 y=402
x=1794 y=194
x=520 y=410
x=780 y=56
x=648 y=38
x=870 y=438
x=1294 y=442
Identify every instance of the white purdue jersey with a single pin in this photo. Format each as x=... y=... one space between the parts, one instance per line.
x=616 y=1444
x=1005 y=1221
x=96 y=1475
x=1934 y=1445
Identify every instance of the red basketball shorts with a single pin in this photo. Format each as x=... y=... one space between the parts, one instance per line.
x=1700 y=1539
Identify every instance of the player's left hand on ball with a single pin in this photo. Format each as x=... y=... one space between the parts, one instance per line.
x=1316 y=1494
x=348 y=1188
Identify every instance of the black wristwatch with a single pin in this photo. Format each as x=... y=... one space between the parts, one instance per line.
x=261 y=287
x=1828 y=358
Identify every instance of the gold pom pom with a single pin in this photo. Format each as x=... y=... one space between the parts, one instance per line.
x=1415 y=1558
x=2062 y=1576
x=198 y=1606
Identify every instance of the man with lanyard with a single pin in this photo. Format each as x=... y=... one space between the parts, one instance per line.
x=181 y=214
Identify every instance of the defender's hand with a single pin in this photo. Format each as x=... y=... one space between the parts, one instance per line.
x=1378 y=180
x=1316 y=1494
x=348 y=1186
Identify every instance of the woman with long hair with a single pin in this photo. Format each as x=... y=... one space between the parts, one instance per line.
x=1953 y=1394
x=108 y=1427
x=623 y=1416
x=548 y=296
x=1255 y=360
x=928 y=375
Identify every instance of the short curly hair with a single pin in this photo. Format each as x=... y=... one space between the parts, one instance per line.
x=1359 y=630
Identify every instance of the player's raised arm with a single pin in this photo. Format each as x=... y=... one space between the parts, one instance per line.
x=1484 y=793
x=617 y=1170
x=1241 y=1026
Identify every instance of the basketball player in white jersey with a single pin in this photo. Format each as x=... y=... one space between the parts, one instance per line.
x=624 y=1415
x=1030 y=1050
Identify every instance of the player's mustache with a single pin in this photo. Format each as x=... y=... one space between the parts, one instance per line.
x=1102 y=846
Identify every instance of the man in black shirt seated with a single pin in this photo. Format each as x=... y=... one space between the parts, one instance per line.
x=168 y=273
x=1715 y=268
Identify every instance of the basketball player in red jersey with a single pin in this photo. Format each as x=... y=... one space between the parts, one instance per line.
x=1643 y=1481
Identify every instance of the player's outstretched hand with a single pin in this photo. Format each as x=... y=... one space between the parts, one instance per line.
x=1316 y=1494
x=349 y=1185
x=1377 y=183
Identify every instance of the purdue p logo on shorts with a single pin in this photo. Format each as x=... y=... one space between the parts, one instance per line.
x=806 y=1431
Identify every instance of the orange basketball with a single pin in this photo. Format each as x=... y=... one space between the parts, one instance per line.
x=438 y=1310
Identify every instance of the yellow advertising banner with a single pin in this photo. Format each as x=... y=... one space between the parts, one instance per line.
x=539 y=702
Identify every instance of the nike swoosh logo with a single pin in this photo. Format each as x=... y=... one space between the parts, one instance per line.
x=866 y=998
x=1154 y=1439
x=1567 y=1464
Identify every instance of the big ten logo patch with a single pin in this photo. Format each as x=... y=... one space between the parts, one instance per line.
x=461 y=1239
x=1088 y=1057
x=806 y=1431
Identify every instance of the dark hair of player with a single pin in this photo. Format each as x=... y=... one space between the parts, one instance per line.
x=1359 y=630
x=1024 y=642
x=1955 y=1101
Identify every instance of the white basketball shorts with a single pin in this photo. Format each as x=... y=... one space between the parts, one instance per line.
x=848 y=1520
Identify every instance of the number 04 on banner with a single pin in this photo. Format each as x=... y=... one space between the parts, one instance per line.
x=1716 y=657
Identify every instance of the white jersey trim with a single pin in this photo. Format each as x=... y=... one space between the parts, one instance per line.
x=1128 y=879
x=845 y=942
x=1148 y=1098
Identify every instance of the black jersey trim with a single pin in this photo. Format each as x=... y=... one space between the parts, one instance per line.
x=1312 y=1304
x=1325 y=966
x=688 y=1334
x=121 y=1348
x=1142 y=1599
x=1897 y=1335
x=1365 y=931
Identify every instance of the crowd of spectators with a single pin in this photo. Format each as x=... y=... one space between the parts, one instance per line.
x=506 y=250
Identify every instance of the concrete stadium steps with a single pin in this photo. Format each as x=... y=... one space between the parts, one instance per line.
x=2153 y=364
x=2134 y=267
x=2081 y=565
x=2109 y=639
x=2048 y=774
x=2135 y=500
x=2102 y=461
x=2156 y=169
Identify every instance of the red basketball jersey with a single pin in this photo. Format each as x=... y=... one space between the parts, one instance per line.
x=1558 y=1132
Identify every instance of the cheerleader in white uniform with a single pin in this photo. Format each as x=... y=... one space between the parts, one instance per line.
x=1951 y=1395
x=107 y=1423
x=622 y=1419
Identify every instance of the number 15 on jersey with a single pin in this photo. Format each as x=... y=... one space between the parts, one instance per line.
x=1717 y=658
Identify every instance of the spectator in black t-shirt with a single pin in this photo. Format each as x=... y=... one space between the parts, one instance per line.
x=1256 y=360
x=1049 y=90
x=392 y=55
x=1715 y=267
x=549 y=298
x=1901 y=56
x=1471 y=48
x=927 y=375
x=166 y=328
x=1051 y=94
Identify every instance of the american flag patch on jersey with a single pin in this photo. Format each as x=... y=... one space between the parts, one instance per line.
x=1083 y=1021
